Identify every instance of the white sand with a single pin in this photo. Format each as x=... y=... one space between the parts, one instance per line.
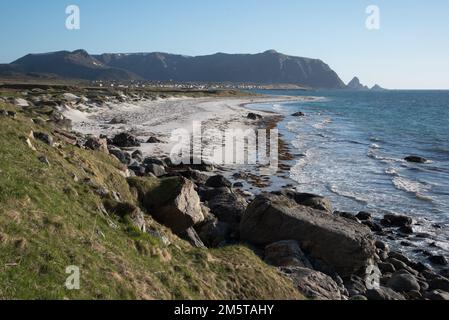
x=159 y=118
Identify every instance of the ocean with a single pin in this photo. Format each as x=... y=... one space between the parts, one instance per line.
x=350 y=147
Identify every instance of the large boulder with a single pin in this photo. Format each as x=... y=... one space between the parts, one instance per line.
x=286 y=253
x=383 y=294
x=415 y=159
x=391 y=220
x=310 y=200
x=171 y=201
x=214 y=233
x=228 y=207
x=403 y=282
x=313 y=284
x=344 y=245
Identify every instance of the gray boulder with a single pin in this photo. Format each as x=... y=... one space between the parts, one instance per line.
x=228 y=207
x=171 y=201
x=313 y=284
x=403 y=282
x=214 y=233
x=383 y=294
x=346 y=246
x=156 y=169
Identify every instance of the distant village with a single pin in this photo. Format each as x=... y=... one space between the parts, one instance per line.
x=191 y=85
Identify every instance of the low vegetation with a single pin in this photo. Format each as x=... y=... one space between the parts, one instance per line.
x=52 y=217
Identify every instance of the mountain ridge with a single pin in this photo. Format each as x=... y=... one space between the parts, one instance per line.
x=269 y=67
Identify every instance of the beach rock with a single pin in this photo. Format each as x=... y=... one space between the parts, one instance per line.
x=228 y=207
x=347 y=215
x=138 y=170
x=363 y=216
x=406 y=230
x=382 y=246
x=254 y=116
x=374 y=227
x=402 y=282
x=137 y=155
x=218 y=181
x=437 y=295
x=344 y=245
x=150 y=160
x=391 y=220
x=157 y=170
x=192 y=237
x=122 y=156
x=125 y=140
x=44 y=137
x=286 y=254
x=415 y=159
x=214 y=233
x=298 y=114
x=171 y=201
x=126 y=211
x=97 y=144
x=309 y=200
x=154 y=140
x=196 y=176
x=237 y=185
x=439 y=283
x=397 y=263
x=386 y=267
x=313 y=284
x=438 y=260
x=383 y=294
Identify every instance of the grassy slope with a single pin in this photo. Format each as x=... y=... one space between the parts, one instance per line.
x=49 y=221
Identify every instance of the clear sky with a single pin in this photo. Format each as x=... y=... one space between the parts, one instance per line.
x=410 y=50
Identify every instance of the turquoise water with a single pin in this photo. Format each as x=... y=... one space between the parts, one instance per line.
x=350 y=147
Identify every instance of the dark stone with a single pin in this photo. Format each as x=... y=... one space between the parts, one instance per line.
x=44 y=137
x=254 y=116
x=415 y=159
x=157 y=170
x=139 y=170
x=125 y=140
x=228 y=207
x=238 y=185
x=391 y=220
x=214 y=233
x=363 y=216
x=402 y=282
x=406 y=230
x=218 y=181
x=137 y=155
x=298 y=114
x=438 y=260
x=439 y=283
x=122 y=156
x=347 y=215
x=375 y=227
x=386 y=267
x=153 y=140
x=383 y=294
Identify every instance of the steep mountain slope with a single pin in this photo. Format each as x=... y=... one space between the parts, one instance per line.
x=355 y=84
x=77 y=64
x=269 y=67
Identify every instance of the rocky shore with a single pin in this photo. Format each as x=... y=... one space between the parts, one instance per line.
x=326 y=254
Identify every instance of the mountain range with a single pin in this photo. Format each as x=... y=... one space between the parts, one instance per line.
x=269 y=67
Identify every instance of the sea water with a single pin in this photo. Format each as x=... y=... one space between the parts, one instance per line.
x=351 y=145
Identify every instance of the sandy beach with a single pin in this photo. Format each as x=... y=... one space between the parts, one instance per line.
x=159 y=118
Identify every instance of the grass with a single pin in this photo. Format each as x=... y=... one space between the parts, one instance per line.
x=49 y=221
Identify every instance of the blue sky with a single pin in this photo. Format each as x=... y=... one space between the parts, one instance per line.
x=411 y=49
